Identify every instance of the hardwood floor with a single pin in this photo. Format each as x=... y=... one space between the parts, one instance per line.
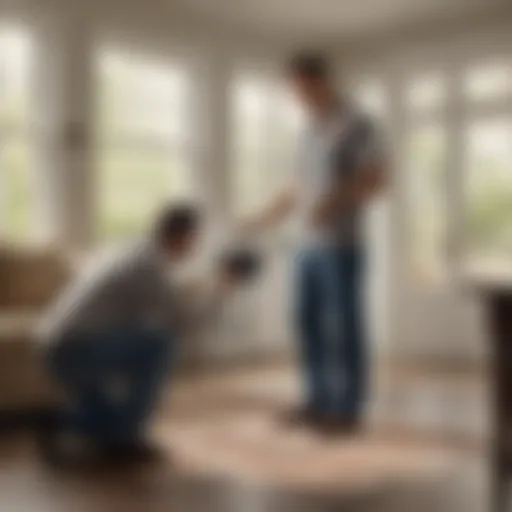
x=226 y=452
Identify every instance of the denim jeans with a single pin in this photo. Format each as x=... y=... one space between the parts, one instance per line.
x=330 y=323
x=112 y=380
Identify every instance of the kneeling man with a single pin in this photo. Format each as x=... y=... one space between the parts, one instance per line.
x=108 y=340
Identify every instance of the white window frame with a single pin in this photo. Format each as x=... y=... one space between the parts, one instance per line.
x=126 y=139
x=17 y=132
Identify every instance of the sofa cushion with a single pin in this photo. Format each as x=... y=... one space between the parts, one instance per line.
x=18 y=325
x=23 y=379
x=30 y=278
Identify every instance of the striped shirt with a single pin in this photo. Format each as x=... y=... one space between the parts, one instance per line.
x=332 y=151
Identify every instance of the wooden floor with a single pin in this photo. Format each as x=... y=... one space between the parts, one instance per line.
x=226 y=451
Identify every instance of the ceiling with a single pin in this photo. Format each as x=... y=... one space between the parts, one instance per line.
x=330 y=19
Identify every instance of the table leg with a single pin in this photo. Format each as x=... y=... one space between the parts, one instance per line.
x=501 y=324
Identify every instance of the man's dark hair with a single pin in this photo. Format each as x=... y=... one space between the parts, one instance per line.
x=309 y=65
x=176 y=221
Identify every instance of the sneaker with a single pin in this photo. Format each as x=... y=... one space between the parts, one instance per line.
x=302 y=416
x=340 y=425
x=137 y=451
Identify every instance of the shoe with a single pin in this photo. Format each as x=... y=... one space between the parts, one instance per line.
x=302 y=416
x=64 y=449
x=48 y=430
x=137 y=451
x=340 y=425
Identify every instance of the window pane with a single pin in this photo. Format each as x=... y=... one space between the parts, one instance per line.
x=426 y=173
x=489 y=188
x=16 y=187
x=265 y=126
x=15 y=73
x=133 y=184
x=426 y=92
x=489 y=81
x=16 y=179
x=285 y=124
x=140 y=98
x=372 y=98
x=142 y=144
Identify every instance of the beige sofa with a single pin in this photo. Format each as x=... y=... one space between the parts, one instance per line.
x=29 y=279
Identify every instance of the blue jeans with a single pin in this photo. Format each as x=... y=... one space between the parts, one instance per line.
x=112 y=381
x=330 y=323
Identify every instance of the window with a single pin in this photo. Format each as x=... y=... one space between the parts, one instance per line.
x=488 y=162
x=489 y=81
x=426 y=179
x=16 y=192
x=489 y=188
x=265 y=126
x=142 y=141
x=371 y=96
x=426 y=93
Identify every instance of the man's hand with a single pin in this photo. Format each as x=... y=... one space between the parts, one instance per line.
x=240 y=266
x=278 y=209
x=347 y=195
x=323 y=213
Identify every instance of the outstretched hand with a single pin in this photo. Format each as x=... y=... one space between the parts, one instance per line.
x=321 y=214
x=239 y=266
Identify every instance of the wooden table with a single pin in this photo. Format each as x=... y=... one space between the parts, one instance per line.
x=495 y=289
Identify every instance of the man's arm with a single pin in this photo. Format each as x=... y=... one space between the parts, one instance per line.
x=202 y=298
x=347 y=195
x=200 y=301
x=281 y=206
x=368 y=179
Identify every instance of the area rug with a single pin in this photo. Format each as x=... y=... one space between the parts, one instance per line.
x=257 y=449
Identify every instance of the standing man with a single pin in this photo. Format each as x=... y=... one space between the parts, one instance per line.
x=339 y=170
